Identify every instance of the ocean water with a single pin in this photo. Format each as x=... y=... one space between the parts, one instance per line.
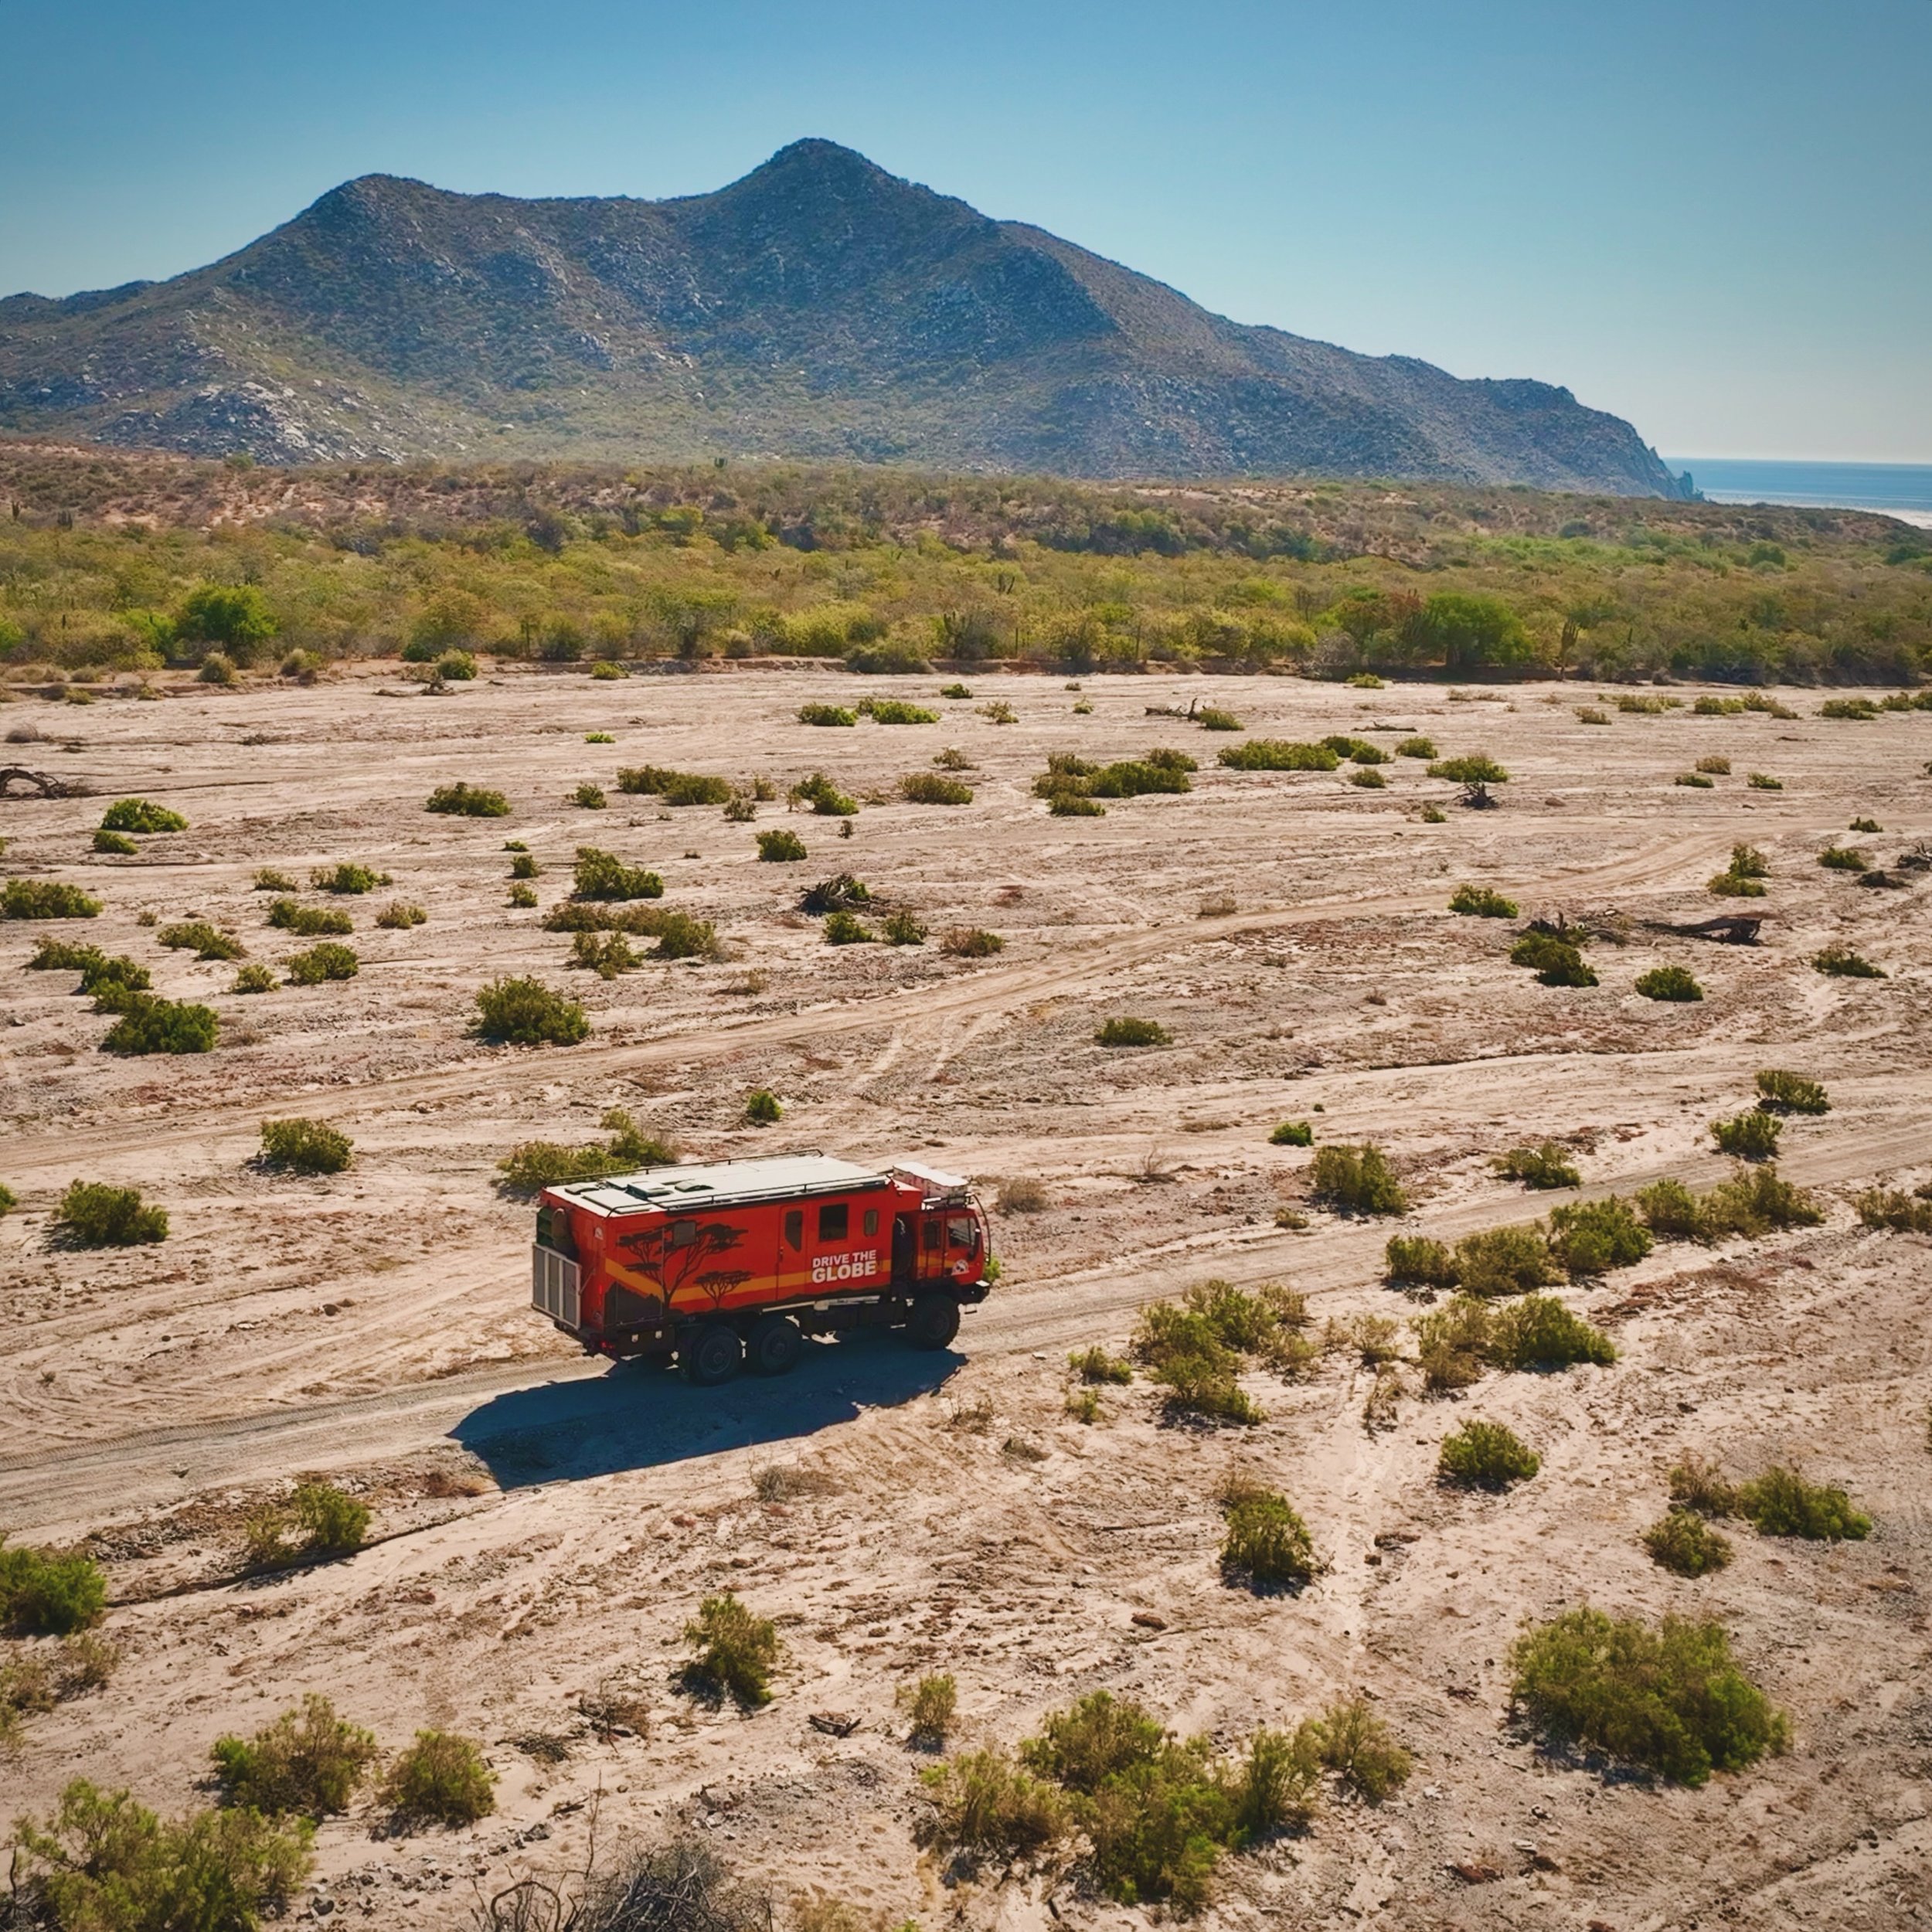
x=1904 y=490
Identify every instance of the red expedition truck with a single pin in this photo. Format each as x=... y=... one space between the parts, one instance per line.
x=737 y=1261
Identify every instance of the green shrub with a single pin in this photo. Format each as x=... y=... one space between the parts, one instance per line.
x=589 y=797
x=1475 y=774
x=542 y=1164
x=1780 y=1092
x=1545 y=1165
x=116 y=842
x=686 y=788
x=841 y=892
x=50 y=1593
x=826 y=714
x=1433 y=816
x=955 y=691
x=1844 y=859
x=1748 y=1137
x=456 y=667
x=103 y=1863
x=643 y=781
x=45 y=899
x=465 y=800
x=346 y=878
x=1866 y=824
x=846 y=929
x=98 y=970
x=930 y=788
x=1556 y=962
x=1539 y=1332
x=216 y=668
x=1068 y=804
x=1368 y=780
x=971 y=942
x=137 y=815
x=525 y=1012
x=1591 y=1237
x=1695 y=780
x=308 y=922
x=1755 y=1200
x=94 y=1215
x=602 y=875
x=1213 y=718
x=897 y=711
x=309 y=1762
x=318 y=1521
x=440 y=1779
x=254 y=979
x=608 y=670
x=1292 y=1134
x=1671 y=983
x=1413 y=1261
x=326 y=961
x=1841 y=962
x=777 y=848
x=930 y=1705
x=1487 y=1455
x=523 y=865
x=986 y=1807
x=1480 y=903
x=1781 y=1503
x=762 y=1108
x=1417 y=747
x=736 y=1651
x=607 y=954
x=306 y=1147
x=522 y=897
x=1669 y=1699
x=1132 y=1032
x=1353 y=1742
x=204 y=941
x=1731 y=885
x=1684 y=1543
x=1893 y=1208
x=1356 y=1180
x=149 y=1025
x=399 y=916
x=1763 y=781
x=1452 y=1344
x=1862 y=708
x=902 y=928
x=1266 y=1545
x=1360 y=750
x=1096 y=1365
x=1715 y=765
x=1504 y=1260
x=8 y=1201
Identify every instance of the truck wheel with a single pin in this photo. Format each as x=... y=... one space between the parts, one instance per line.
x=713 y=1356
x=774 y=1346
x=935 y=1321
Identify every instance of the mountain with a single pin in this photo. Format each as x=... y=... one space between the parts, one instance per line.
x=820 y=307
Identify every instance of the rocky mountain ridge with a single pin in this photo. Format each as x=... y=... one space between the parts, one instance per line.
x=818 y=308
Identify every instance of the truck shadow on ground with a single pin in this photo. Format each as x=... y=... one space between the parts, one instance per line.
x=640 y=1416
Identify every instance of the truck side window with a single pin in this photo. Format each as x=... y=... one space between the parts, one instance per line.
x=795 y=1227
x=683 y=1233
x=933 y=1235
x=871 y=1221
x=834 y=1221
x=962 y=1233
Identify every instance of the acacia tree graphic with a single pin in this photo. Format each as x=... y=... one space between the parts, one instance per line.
x=675 y=1266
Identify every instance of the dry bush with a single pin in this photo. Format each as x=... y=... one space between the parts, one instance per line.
x=50 y=1593
x=1096 y=1365
x=1893 y=1208
x=1356 y=1180
x=93 y=1214
x=1359 y=1748
x=1267 y=1545
x=1780 y=1092
x=1591 y=1237
x=1539 y=1332
x=322 y=1520
x=1752 y=1136
x=306 y=1147
x=1504 y=1260
x=930 y=1706
x=1781 y=1503
x=1022 y=1195
x=968 y=942
x=1452 y=1344
x=1414 y=1260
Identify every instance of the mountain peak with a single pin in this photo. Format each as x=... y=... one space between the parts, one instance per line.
x=819 y=306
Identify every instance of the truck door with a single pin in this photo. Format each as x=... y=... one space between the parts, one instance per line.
x=905 y=1250
x=932 y=1247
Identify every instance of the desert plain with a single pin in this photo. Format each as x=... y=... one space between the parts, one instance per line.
x=544 y=1525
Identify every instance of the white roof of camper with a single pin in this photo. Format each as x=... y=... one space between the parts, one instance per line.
x=721 y=1183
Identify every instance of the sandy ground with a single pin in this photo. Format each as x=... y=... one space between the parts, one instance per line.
x=546 y=1525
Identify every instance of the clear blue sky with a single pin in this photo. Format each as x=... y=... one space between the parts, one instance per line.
x=1713 y=218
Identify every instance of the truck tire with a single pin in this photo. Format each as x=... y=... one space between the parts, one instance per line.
x=774 y=1346
x=935 y=1322
x=713 y=1355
